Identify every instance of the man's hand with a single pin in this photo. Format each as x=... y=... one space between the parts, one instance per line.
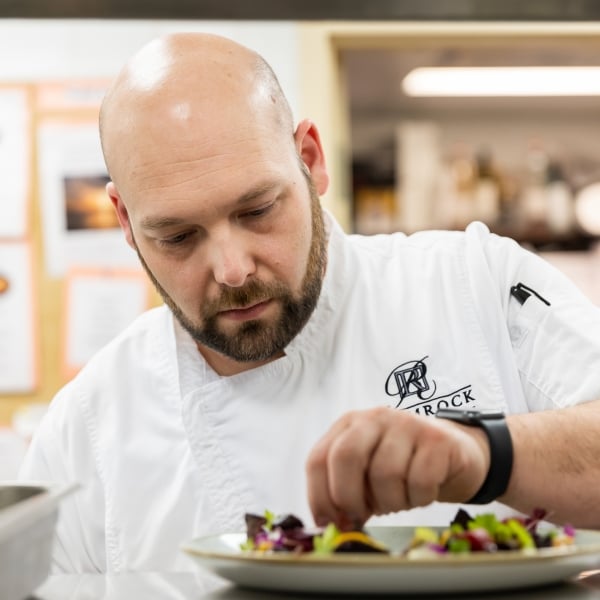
x=383 y=460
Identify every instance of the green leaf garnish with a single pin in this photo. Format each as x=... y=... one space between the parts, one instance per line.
x=456 y=528
x=503 y=534
x=458 y=545
x=425 y=535
x=487 y=521
x=522 y=535
x=270 y=517
x=325 y=543
x=247 y=545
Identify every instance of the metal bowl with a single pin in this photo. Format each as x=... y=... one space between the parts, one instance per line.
x=28 y=515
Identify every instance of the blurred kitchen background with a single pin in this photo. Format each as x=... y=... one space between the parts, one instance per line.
x=405 y=151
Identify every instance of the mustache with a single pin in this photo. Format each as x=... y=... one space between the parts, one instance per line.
x=251 y=293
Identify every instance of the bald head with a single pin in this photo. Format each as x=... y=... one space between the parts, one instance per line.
x=183 y=87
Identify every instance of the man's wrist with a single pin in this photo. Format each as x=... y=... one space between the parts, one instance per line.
x=501 y=450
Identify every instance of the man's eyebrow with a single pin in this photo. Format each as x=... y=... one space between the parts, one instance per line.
x=258 y=191
x=156 y=223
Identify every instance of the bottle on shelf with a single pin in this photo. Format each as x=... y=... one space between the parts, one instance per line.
x=533 y=205
x=455 y=202
x=559 y=200
x=487 y=189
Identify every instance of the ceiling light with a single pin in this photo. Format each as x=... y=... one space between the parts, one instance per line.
x=502 y=81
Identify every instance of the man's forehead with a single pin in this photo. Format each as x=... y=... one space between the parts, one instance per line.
x=188 y=161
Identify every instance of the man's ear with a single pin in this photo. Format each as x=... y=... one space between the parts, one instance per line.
x=121 y=211
x=308 y=144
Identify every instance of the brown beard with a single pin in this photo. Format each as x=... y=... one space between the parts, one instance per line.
x=256 y=340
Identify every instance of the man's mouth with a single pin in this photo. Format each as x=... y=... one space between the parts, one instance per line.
x=252 y=311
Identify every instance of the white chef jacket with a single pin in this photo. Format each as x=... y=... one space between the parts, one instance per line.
x=166 y=450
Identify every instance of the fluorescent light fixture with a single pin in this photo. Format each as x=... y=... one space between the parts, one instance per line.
x=502 y=81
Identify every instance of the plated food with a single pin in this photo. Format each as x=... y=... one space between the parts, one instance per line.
x=487 y=533
x=266 y=559
x=268 y=533
x=465 y=534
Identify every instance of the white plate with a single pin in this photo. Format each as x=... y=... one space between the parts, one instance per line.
x=377 y=573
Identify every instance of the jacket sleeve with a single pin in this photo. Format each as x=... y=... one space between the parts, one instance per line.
x=60 y=452
x=554 y=333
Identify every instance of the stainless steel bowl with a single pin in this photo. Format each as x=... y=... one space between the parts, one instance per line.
x=28 y=515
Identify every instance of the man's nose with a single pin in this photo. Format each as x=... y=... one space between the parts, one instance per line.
x=232 y=262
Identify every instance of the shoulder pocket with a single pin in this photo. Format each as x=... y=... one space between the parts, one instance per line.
x=529 y=310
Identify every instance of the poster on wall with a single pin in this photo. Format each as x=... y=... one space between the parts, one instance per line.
x=99 y=304
x=79 y=222
x=78 y=95
x=18 y=335
x=14 y=162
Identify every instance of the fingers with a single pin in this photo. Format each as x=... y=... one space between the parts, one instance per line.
x=380 y=461
x=429 y=468
x=337 y=469
x=386 y=474
x=449 y=463
x=320 y=501
x=358 y=468
x=410 y=464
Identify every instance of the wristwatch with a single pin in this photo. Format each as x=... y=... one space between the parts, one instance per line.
x=501 y=449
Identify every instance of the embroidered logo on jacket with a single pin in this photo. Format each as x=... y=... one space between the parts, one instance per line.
x=416 y=392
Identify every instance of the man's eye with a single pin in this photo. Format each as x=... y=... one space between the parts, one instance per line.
x=257 y=212
x=176 y=240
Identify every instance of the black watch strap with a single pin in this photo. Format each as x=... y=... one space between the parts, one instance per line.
x=501 y=450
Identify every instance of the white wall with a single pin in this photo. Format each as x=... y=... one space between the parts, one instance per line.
x=33 y=50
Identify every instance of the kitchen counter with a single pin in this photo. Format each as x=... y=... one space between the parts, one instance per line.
x=196 y=586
